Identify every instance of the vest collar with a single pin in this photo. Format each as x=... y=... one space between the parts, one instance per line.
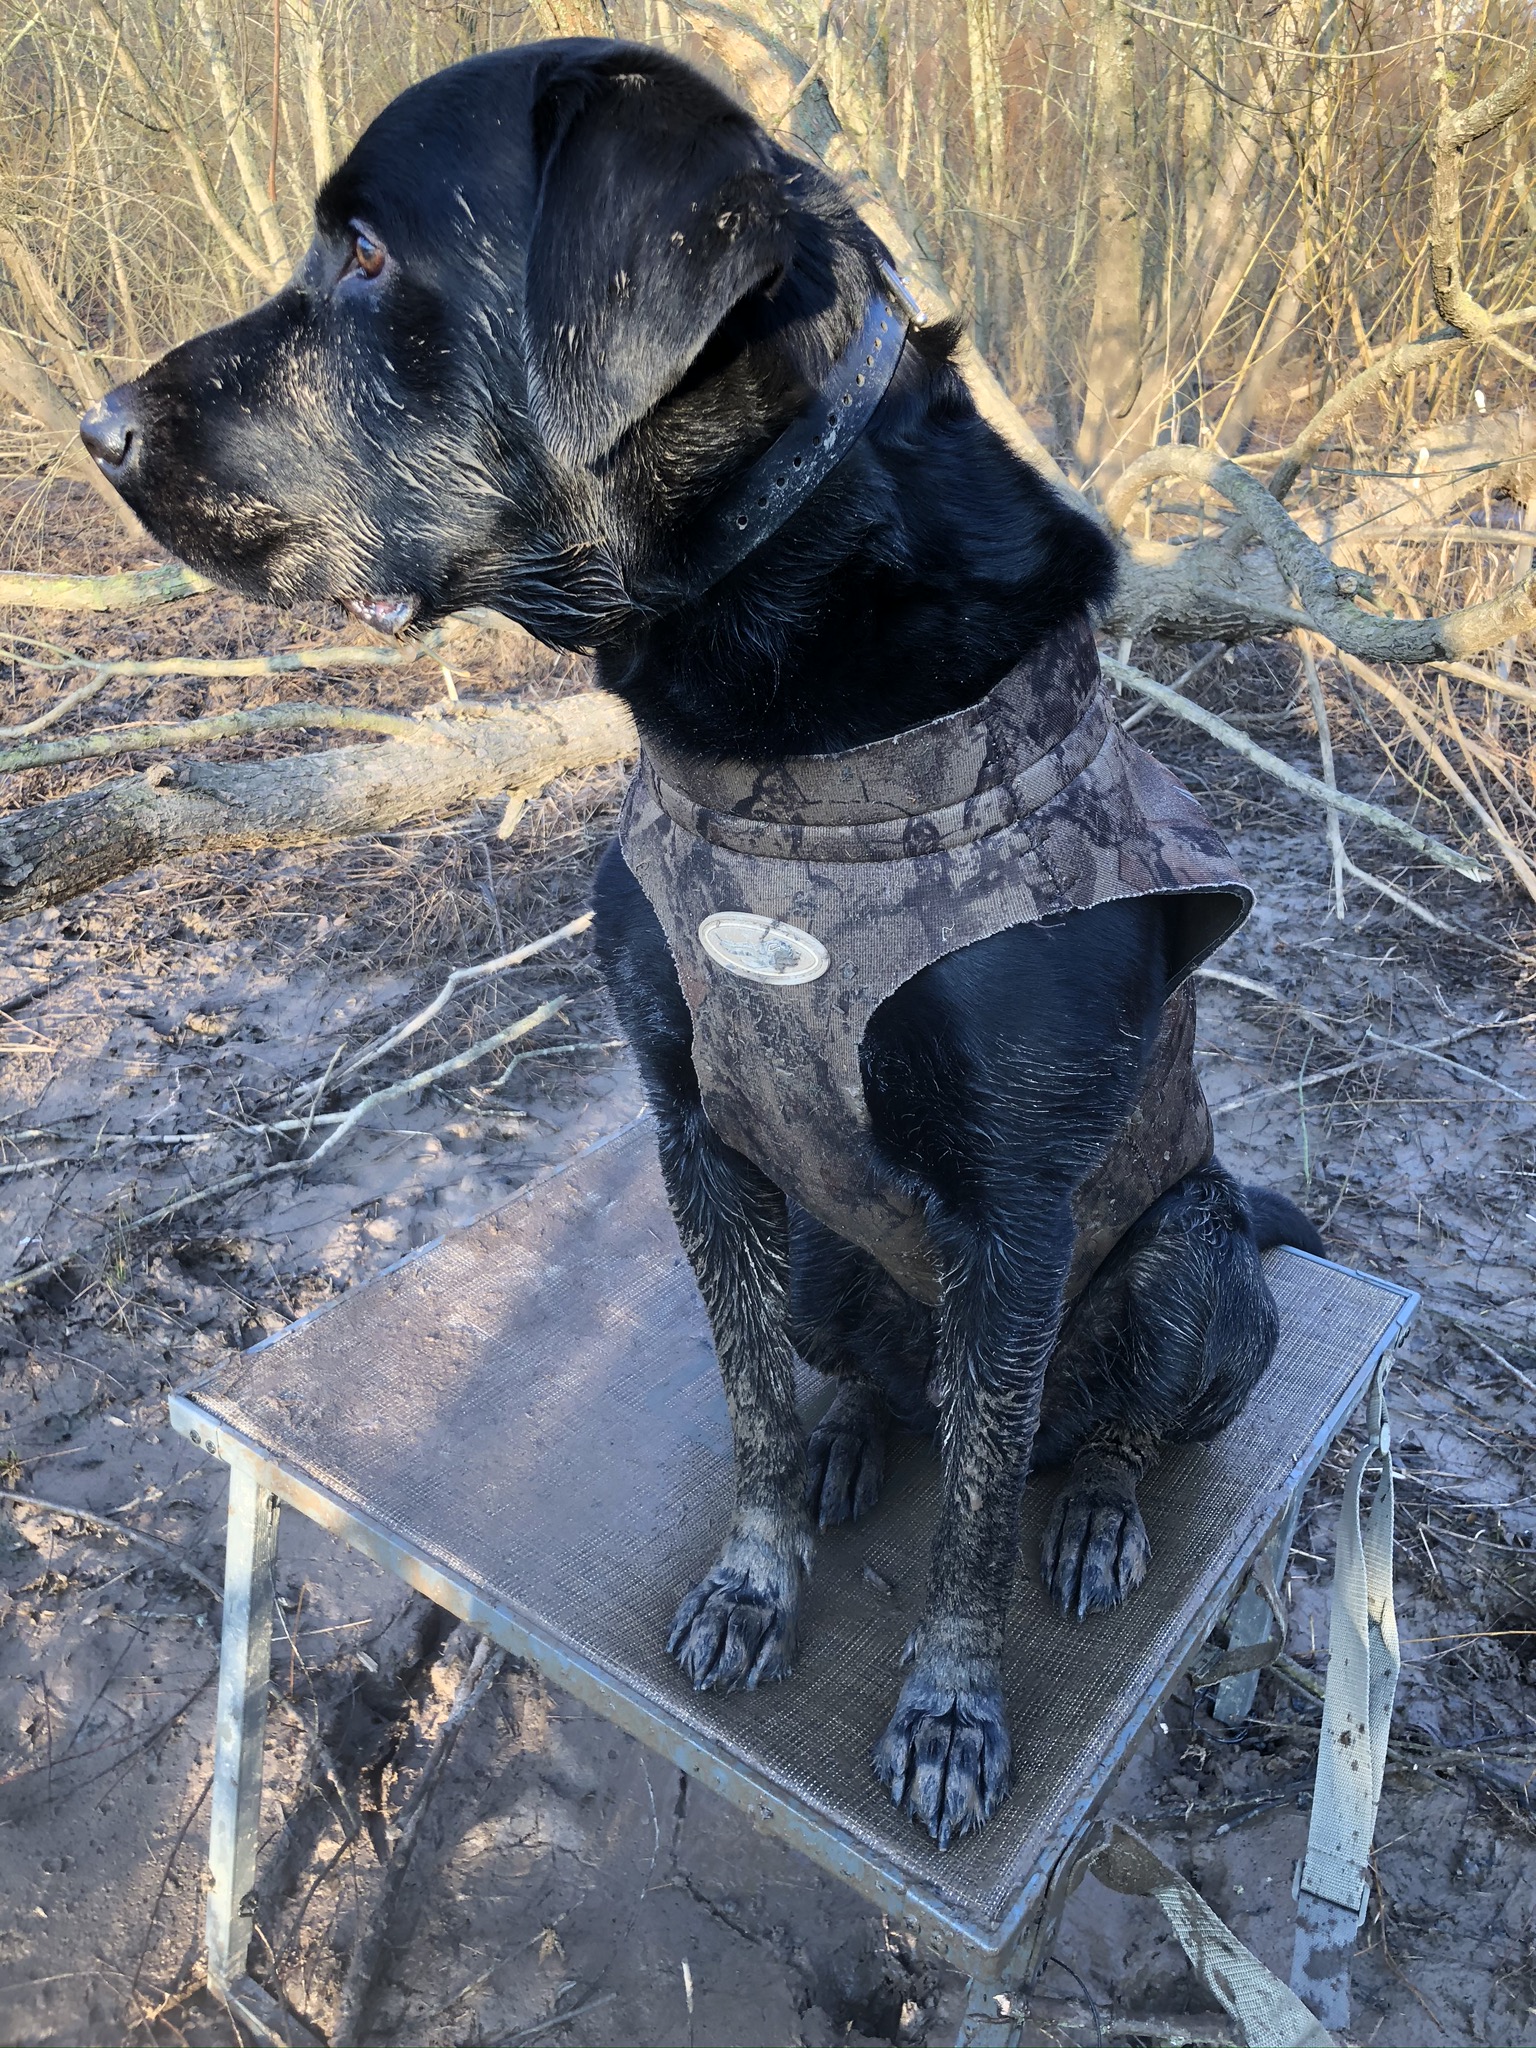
x=954 y=779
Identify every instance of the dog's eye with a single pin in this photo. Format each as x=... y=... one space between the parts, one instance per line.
x=367 y=253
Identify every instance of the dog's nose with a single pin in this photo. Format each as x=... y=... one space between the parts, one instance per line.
x=112 y=433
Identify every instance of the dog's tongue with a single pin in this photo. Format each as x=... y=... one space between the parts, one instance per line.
x=388 y=614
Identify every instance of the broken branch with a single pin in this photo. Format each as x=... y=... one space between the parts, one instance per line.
x=1294 y=778
x=1319 y=584
x=146 y=736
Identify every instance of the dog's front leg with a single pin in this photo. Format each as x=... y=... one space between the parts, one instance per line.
x=946 y=1754
x=737 y=1626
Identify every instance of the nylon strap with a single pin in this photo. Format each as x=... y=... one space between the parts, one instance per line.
x=1267 y=2013
x=1363 y=1663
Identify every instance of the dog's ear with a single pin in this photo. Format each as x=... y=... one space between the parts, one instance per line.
x=659 y=209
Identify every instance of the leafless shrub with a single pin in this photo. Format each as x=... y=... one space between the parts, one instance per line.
x=1199 y=247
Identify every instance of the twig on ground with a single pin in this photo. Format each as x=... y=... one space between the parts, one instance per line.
x=1390 y=1046
x=33 y=1165
x=147 y=737
x=343 y=1121
x=412 y=1082
x=163 y=1551
x=61 y=708
x=1286 y=1667
x=1295 y=778
x=1196 y=668
x=1436 y=753
x=544 y=1052
x=1250 y=987
x=556 y=2019
x=319 y=1096
x=1325 y=750
x=459 y=978
x=1469 y=1330
x=129 y=590
x=1405 y=902
x=367 y=1952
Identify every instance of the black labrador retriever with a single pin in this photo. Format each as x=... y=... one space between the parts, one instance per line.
x=558 y=298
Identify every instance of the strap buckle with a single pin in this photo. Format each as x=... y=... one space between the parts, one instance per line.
x=902 y=292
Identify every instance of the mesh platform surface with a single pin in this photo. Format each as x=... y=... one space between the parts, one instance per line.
x=533 y=1407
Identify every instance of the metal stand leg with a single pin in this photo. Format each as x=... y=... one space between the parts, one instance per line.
x=998 y=1990
x=1252 y=1622
x=989 y=2020
x=245 y=1671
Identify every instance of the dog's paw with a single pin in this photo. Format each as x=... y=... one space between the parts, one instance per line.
x=1095 y=1551
x=946 y=1755
x=737 y=1627
x=845 y=1460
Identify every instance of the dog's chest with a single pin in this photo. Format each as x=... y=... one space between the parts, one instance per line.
x=796 y=899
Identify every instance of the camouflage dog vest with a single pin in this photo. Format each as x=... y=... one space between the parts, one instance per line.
x=797 y=897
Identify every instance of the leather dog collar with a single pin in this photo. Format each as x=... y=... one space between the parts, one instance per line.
x=758 y=502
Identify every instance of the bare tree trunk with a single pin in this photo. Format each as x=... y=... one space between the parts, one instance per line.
x=1114 y=337
x=268 y=275
x=109 y=220
x=82 y=365
x=988 y=178
x=39 y=397
x=1199 y=149
x=237 y=131
x=1281 y=320
x=309 y=47
x=906 y=113
x=575 y=17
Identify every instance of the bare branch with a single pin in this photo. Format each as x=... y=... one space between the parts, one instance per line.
x=1409 y=715
x=85 y=368
x=1393 y=363
x=1294 y=778
x=1325 y=750
x=146 y=736
x=1454 y=132
x=310 y=48
x=459 y=978
x=39 y=397
x=238 y=133
x=267 y=275
x=763 y=68
x=130 y=591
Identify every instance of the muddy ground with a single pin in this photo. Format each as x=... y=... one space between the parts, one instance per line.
x=567 y=1886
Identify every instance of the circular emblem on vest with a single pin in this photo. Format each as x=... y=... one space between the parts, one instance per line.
x=762 y=948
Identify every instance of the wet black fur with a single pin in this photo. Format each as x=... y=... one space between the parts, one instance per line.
x=606 y=291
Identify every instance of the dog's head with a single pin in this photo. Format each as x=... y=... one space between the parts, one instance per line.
x=553 y=295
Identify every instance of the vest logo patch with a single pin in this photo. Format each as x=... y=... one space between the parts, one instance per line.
x=762 y=948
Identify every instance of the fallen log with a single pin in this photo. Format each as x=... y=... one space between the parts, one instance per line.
x=55 y=851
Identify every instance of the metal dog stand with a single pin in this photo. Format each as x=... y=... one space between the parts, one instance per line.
x=524 y=1421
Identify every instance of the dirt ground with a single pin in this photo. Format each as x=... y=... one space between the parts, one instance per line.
x=566 y=1886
